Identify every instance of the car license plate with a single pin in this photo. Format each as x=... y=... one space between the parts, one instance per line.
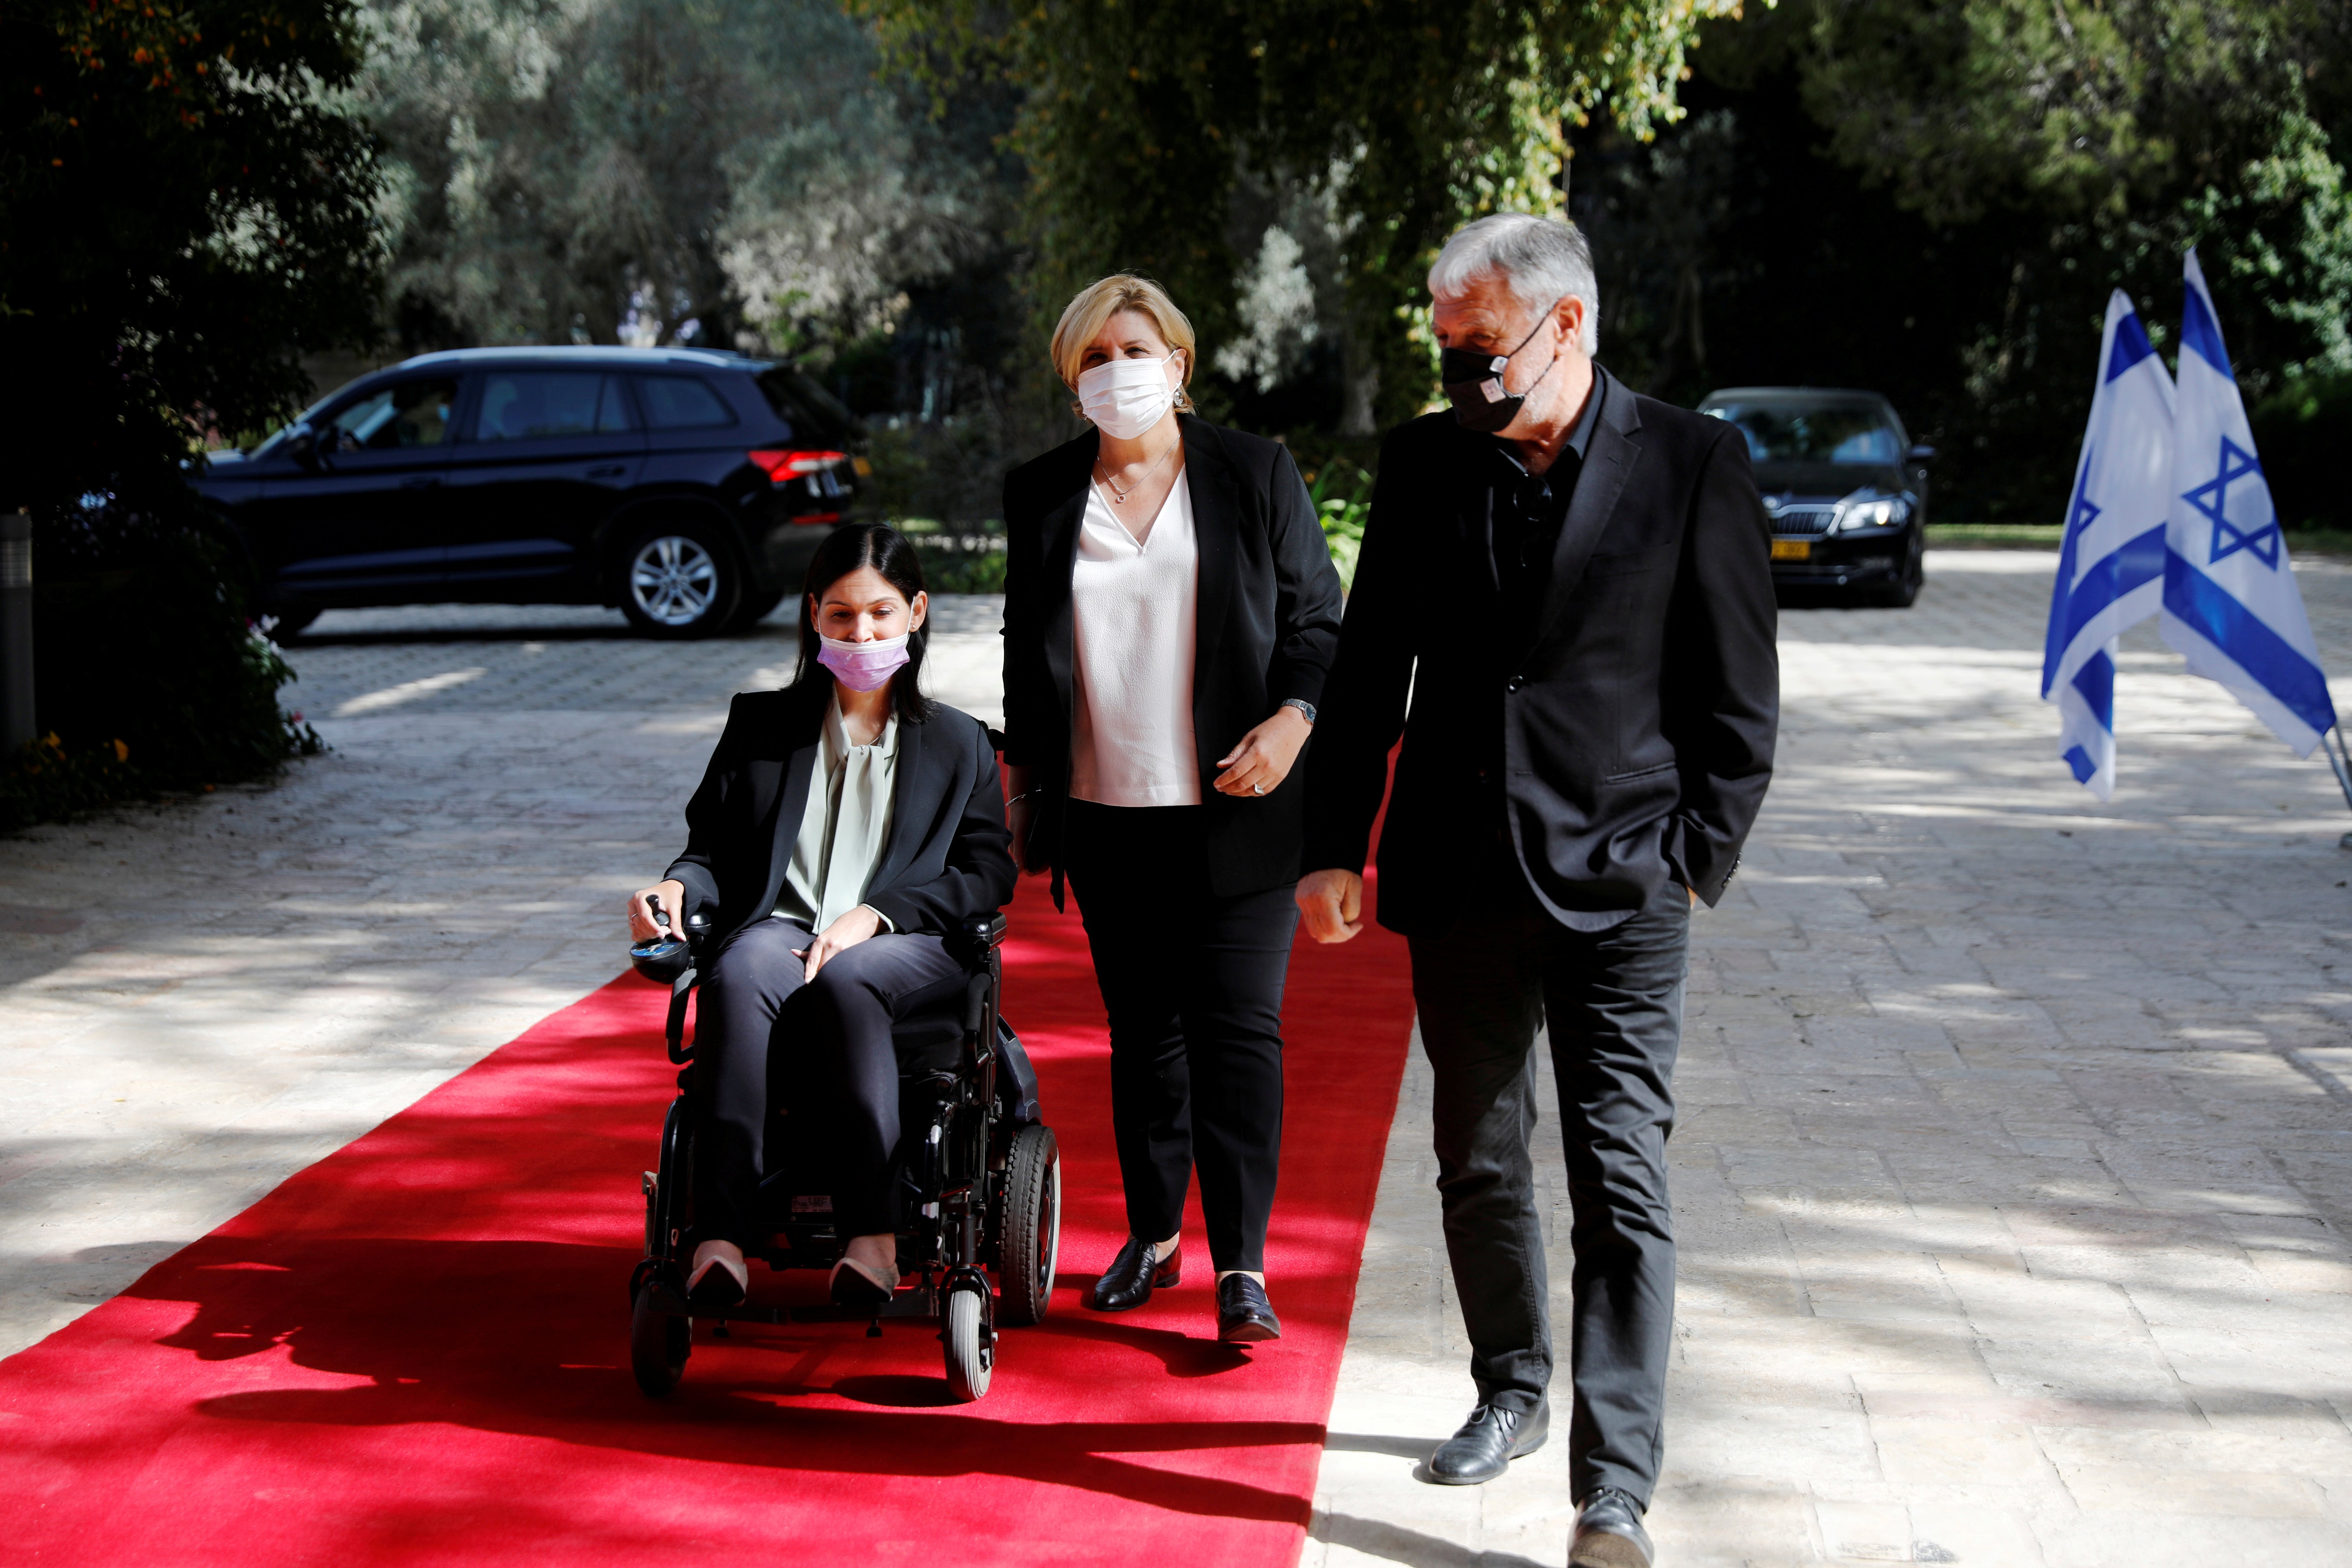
x=1792 y=550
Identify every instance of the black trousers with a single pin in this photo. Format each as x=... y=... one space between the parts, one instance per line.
x=1193 y=985
x=763 y=1035
x=1612 y=1003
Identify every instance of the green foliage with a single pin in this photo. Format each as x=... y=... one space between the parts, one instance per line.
x=961 y=563
x=2302 y=432
x=1934 y=198
x=146 y=675
x=46 y=782
x=2123 y=132
x=1413 y=116
x=182 y=213
x=1343 y=500
x=951 y=471
x=602 y=169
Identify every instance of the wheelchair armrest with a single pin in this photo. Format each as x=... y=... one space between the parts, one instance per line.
x=674 y=1031
x=985 y=932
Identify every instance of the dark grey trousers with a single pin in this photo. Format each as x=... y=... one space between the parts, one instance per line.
x=761 y=1029
x=1612 y=1002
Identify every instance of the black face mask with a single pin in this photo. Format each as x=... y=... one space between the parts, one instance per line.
x=1473 y=382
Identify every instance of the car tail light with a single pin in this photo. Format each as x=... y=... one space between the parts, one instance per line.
x=783 y=467
x=807 y=519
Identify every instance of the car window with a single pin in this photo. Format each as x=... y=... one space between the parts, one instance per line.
x=682 y=403
x=801 y=403
x=1817 y=433
x=406 y=413
x=523 y=405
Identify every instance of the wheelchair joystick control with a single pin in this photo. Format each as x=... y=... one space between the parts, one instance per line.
x=665 y=957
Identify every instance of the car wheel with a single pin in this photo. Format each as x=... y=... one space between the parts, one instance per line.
x=678 y=580
x=1905 y=590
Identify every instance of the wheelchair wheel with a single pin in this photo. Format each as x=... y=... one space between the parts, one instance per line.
x=658 y=1345
x=1030 y=1246
x=971 y=1356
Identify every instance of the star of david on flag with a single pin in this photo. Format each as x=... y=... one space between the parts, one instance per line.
x=2229 y=604
x=2213 y=500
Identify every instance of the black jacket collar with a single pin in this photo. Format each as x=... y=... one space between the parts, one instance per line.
x=1609 y=460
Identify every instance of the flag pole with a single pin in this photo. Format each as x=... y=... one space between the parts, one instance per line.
x=2339 y=758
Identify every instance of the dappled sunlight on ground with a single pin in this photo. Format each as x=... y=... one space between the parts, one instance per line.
x=2015 y=1155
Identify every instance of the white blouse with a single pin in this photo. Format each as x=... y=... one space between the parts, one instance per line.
x=845 y=824
x=1134 y=614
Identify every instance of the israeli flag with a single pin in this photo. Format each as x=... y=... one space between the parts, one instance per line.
x=2111 y=560
x=2230 y=605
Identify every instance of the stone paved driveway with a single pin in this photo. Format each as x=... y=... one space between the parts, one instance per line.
x=2017 y=1145
x=2015 y=1163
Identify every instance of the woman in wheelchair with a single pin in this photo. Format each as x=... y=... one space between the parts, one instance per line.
x=844 y=824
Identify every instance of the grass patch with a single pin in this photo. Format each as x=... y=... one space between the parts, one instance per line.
x=957 y=560
x=1994 y=535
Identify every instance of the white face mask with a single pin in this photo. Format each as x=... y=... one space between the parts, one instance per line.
x=1128 y=396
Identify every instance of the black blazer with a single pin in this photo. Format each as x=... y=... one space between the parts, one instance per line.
x=947 y=856
x=1637 y=713
x=1268 y=621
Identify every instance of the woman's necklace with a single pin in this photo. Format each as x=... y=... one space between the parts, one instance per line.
x=1112 y=484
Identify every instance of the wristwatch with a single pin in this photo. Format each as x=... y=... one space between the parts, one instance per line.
x=1302 y=705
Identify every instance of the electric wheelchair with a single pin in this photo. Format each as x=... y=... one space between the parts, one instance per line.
x=981 y=1170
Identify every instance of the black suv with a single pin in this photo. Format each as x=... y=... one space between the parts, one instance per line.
x=1846 y=488
x=687 y=487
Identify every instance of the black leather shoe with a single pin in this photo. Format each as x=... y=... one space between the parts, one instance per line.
x=1487 y=1443
x=1244 y=1315
x=1133 y=1277
x=1608 y=1533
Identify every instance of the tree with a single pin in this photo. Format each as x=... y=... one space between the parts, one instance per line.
x=649 y=170
x=185 y=211
x=182 y=213
x=1140 y=122
x=2123 y=131
x=1934 y=198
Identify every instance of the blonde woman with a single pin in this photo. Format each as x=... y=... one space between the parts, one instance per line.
x=1170 y=611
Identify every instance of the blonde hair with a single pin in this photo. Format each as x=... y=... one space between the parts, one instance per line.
x=1098 y=303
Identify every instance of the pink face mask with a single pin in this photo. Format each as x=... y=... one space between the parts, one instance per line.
x=863 y=666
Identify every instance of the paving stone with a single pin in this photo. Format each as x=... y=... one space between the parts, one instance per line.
x=2012 y=1194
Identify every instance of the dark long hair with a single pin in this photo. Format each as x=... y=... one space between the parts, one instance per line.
x=885 y=548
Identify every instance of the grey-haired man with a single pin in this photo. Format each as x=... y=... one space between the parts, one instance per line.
x=1571 y=582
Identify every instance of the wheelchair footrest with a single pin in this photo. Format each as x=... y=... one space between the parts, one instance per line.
x=916 y=1302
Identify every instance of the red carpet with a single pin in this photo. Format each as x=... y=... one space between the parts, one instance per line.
x=416 y=1350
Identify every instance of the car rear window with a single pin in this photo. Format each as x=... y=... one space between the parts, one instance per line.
x=802 y=403
x=1781 y=432
x=523 y=405
x=682 y=403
